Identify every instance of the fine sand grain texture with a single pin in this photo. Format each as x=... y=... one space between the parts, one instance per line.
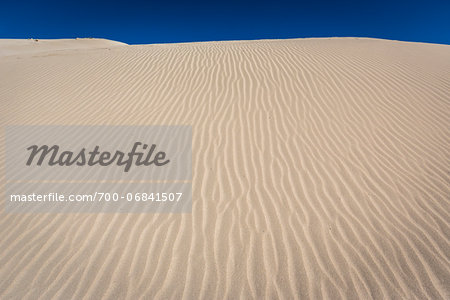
x=321 y=169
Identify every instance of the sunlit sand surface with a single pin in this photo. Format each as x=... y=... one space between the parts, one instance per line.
x=321 y=169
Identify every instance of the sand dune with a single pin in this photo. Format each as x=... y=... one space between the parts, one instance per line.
x=17 y=47
x=321 y=169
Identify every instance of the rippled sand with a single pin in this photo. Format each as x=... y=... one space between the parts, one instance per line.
x=321 y=169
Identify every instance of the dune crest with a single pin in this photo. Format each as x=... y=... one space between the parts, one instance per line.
x=16 y=47
x=321 y=169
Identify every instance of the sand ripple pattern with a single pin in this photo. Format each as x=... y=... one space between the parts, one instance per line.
x=321 y=169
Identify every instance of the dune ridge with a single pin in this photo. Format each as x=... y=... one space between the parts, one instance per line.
x=321 y=169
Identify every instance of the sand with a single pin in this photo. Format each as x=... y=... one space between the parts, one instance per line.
x=321 y=169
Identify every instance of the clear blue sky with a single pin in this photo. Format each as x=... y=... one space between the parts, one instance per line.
x=143 y=22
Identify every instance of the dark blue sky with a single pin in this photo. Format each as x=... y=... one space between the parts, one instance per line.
x=143 y=22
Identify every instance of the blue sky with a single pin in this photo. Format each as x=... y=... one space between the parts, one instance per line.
x=145 y=22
